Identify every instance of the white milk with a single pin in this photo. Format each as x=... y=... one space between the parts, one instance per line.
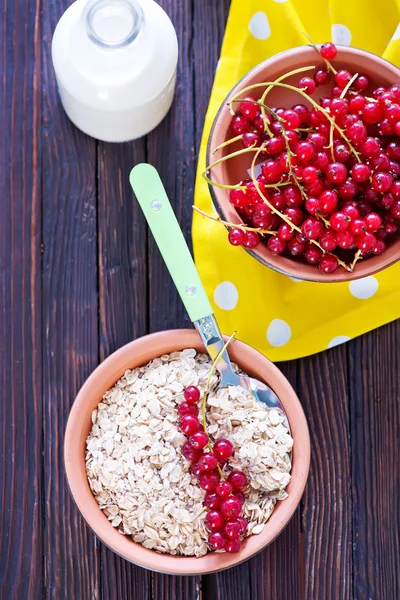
x=115 y=63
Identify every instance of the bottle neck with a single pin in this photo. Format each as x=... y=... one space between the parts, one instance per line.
x=113 y=24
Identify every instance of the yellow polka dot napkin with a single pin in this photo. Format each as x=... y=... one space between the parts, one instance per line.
x=282 y=317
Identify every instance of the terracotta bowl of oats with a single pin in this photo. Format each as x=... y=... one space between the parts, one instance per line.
x=129 y=478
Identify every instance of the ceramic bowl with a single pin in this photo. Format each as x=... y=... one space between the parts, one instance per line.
x=379 y=71
x=138 y=353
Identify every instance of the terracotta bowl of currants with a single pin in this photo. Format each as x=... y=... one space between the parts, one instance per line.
x=303 y=163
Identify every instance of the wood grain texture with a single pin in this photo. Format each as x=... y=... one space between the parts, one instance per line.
x=375 y=425
x=70 y=325
x=21 y=533
x=123 y=305
x=327 y=504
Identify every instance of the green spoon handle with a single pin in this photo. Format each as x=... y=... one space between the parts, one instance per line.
x=152 y=197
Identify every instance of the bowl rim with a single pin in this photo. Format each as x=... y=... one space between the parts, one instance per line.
x=84 y=498
x=378 y=263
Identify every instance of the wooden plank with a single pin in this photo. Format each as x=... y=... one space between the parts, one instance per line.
x=70 y=324
x=327 y=502
x=21 y=539
x=123 y=305
x=375 y=425
x=170 y=148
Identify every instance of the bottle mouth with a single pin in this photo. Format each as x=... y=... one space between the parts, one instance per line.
x=113 y=23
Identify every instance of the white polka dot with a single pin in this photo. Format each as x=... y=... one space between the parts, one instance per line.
x=341 y=35
x=339 y=339
x=396 y=35
x=259 y=26
x=226 y=295
x=278 y=333
x=364 y=288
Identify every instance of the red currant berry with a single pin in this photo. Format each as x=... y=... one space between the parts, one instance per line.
x=215 y=520
x=328 y=51
x=198 y=440
x=240 y=125
x=393 y=150
x=305 y=151
x=190 y=453
x=340 y=221
x=238 y=198
x=387 y=200
x=312 y=206
x=372 y=222
x=348 y=189
x=322 y=77
x=231 y=507
x=272 y=171
x=294 y=213
x=328 y=241
x=308 y=85
x=251 y=138
x=310 y=174
x=382 y=182
x=313 y=254
x=232 y=530
x=187 y=409
x=296 y=247
x=291 y=119
x=392 y=113
x=356 y=104
x=357 y=226
x=395 y=189
x=339 y=107
x=208 y=462
x=372 y=113
x=360 y=172
x=342 y=78
x=370 y=147
x=312 y=228
x=238 y=480
x=350 y=208
x=361 y=83
x=276 y=144
x=395 y=212
x=336 y=172
x=379 y=248
x=249 y=108
x=232 y=546
x=224 y=489
x=357 y=132
x=328 y=201
x=191 y=394
x=236 y=237
x=189 y=424
x=240 y=496
x=209 y=482
x=328 y=263
x=216 y=541
x=302 y=111
x=212 y=501
x=251 y=239
x=223 y=450
x=292 y=195
x=276 y=245
x=345 y=239
x=366 y=242
x=243 y=525
x=341 y=152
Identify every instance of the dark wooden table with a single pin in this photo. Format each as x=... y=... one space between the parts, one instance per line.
x=80 y=277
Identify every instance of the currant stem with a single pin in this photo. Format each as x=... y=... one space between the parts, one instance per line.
x=356 y=259
x=206 y=392
x=218 y=219
x=224 y=144
x=348 y=86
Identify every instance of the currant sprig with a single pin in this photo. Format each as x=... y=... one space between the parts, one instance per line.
x=224 y=496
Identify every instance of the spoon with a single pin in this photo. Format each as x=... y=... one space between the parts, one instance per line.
x=153 y=200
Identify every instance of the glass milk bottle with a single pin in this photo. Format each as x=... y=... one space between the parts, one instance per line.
x=115 y=63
